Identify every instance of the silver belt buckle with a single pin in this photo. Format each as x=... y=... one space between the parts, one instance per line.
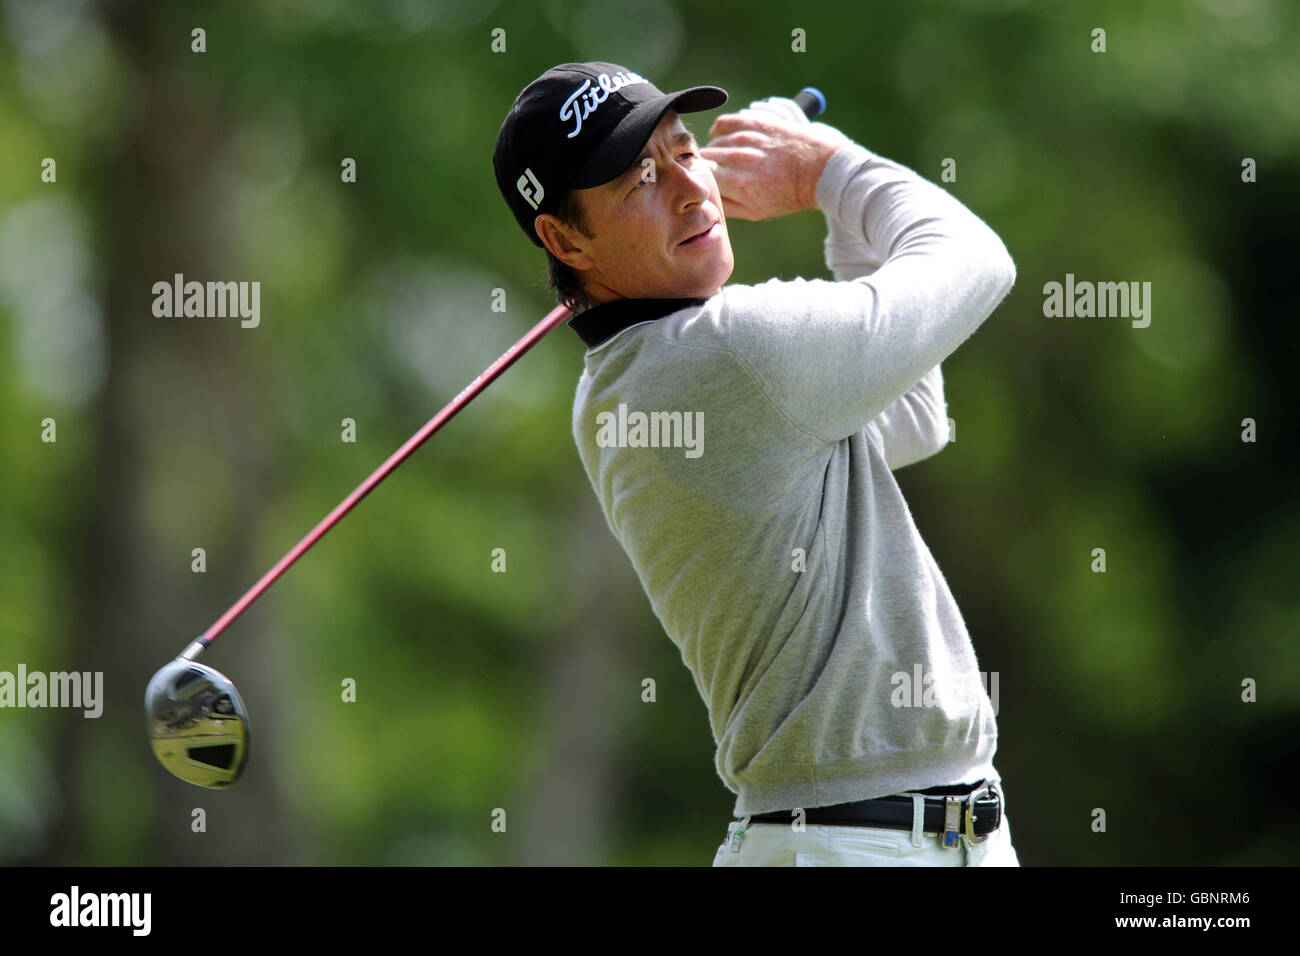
x=970 y=813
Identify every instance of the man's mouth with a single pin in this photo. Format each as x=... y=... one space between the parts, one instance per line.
x=700 y=235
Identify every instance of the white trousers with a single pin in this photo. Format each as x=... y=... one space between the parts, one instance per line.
x=779 y=844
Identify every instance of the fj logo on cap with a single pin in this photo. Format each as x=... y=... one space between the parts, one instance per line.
x=593 y=98
x=530 y=188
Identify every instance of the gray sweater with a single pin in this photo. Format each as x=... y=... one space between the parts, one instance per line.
x=764 y=520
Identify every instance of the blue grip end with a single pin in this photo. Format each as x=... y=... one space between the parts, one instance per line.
x=812 y=101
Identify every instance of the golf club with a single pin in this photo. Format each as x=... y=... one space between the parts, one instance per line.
x=197 y=723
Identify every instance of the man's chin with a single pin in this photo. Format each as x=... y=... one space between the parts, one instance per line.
x=724 y=276
x=714 y=285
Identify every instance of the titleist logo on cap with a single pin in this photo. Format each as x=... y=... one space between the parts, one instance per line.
x=594 y=96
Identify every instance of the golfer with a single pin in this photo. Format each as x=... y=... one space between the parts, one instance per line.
x=742 y=441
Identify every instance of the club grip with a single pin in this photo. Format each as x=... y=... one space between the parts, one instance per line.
x=811 y=101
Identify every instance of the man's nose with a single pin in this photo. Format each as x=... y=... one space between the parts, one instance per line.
x=689 y=185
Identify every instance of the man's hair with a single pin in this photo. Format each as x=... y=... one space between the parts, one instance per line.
x=560 y=278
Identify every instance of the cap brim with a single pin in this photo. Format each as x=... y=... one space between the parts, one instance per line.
x=625 y=143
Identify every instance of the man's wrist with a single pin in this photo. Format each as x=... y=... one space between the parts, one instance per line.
x=821 y=159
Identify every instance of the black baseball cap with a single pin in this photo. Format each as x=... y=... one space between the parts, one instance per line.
x=580 y=125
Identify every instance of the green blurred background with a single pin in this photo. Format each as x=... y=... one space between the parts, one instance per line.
x=522 y=690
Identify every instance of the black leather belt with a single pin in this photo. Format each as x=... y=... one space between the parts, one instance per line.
x=952 y=811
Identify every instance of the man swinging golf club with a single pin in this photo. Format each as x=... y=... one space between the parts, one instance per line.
x=779 y=555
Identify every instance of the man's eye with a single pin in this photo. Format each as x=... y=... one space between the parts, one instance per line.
x=647 y=176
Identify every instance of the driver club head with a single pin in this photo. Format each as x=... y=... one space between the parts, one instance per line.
x=198 y=725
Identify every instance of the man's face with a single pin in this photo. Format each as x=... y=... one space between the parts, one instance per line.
x=639 y=224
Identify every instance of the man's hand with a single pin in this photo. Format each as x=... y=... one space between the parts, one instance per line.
x=765 y=166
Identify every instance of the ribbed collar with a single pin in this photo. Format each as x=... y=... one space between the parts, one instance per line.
x=602 y=322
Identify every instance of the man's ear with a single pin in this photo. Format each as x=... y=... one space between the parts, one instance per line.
x=563 y=242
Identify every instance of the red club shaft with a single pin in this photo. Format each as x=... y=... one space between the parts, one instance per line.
x=512 y=354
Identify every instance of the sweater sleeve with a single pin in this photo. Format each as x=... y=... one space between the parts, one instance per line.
x=918 y=273
x=915 y=425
